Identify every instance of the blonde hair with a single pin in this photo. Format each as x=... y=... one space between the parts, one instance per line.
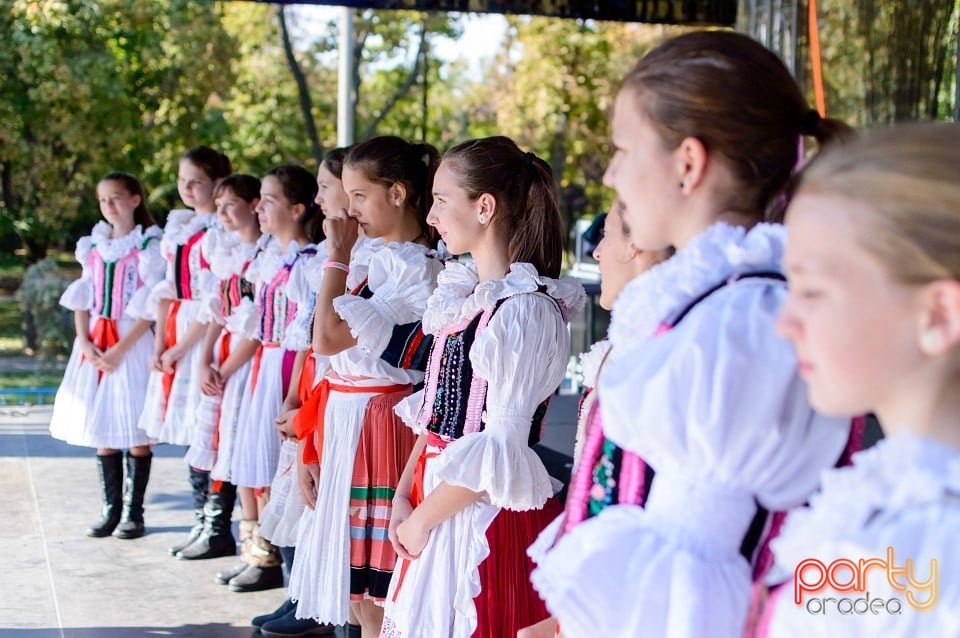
x=909 y=177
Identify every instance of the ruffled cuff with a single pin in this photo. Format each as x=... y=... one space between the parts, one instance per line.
x=295 y=337
x=163 y=291
x=138 y=306
x=510 y=475
x=78 y=295
x=244 y=319
x=539 y=549
x=408 y=410
x=209 y=309
x=370 y=323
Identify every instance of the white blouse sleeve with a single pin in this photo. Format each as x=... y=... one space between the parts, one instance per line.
x=522 y=354
x=79 y=294
x=401 y=277
x=300 y=291
x=151 y=267
x=408 y=409
x=715 y=406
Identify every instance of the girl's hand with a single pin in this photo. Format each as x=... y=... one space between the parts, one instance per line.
x=90 y=351
x=412 y=537
x=402 y=509
x=210 y=381
x=284 y=423
x=543 y=629
x=110 y=360
x=342 y=232
x=308 y=477
x=169 y=357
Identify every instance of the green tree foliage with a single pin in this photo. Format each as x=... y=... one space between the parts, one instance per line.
x=90 y=87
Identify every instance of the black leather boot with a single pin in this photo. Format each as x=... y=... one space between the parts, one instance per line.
x=217 y=538
x=200 y=484
x=111 y=487
x=138 y=475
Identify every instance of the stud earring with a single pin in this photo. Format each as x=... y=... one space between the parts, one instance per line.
x=483 y=219
x=930 y=341
x=396 y=202
x=681 y=185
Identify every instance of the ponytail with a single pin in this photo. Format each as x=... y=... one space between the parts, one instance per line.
x=300 y=187
x=522 y=184
x=388 y=160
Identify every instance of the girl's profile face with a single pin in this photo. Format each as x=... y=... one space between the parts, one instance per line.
x=234 y=212
x=614 y=254
x=276 y=214
x=453 y=214
x=194 y=186
x=643 y=174
x=373 y=205
x=330 y=194
x=117 y=204
x=852 y=325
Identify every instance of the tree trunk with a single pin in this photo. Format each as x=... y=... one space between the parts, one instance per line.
x=303 y=91
x=407 y=84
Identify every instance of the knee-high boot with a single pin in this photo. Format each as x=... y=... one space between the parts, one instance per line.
x=138 y=475
x=200 y=485
x=217 y=538
x=111 y=487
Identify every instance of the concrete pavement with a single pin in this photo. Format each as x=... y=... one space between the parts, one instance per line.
x=55 y=582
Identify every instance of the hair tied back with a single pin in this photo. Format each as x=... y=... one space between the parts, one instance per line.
x=809 y=123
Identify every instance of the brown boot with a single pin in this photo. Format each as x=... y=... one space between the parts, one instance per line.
x=264 y=570
x=247 y=529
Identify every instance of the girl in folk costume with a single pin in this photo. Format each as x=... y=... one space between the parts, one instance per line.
x=100 y=399
x=603 y=474
x=280 y=519
x=619 y=263
x=698 y=385
x=173 y=394
x=225 y=358
x=874 y=316
x=474 y=494
x=287 y=212
x=377 y=353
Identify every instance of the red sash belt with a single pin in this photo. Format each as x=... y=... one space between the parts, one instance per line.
x=309 y=419
x=104 y=336
x=170 y=340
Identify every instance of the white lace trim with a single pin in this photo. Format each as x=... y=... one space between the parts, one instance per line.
x=898 y=473
x=113 y=248
x=228 y=253
x=182 y=224
x=591 y=360
x=716 y=254
x=460 y=294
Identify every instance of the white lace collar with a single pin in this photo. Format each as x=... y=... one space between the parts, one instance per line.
x=273 y=258
x=229 y=254
x=110 y=248
x=460 y=294
x=900 y=472
x=182 y=224
x=718 y=253
x=592 y=360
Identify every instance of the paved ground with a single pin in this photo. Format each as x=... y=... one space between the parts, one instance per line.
x=56 y=582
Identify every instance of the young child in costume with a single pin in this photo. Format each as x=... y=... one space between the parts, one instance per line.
x=172 y=393
x=226 y=356
x=100 y=398
x=474 y=494
x=377 y=354
x=698 y=385
x=288 y=213
x=874 y=316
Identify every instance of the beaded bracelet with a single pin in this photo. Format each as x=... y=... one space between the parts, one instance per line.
x=339 y=265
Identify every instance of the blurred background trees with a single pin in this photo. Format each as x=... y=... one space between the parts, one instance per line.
x=89 y=86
